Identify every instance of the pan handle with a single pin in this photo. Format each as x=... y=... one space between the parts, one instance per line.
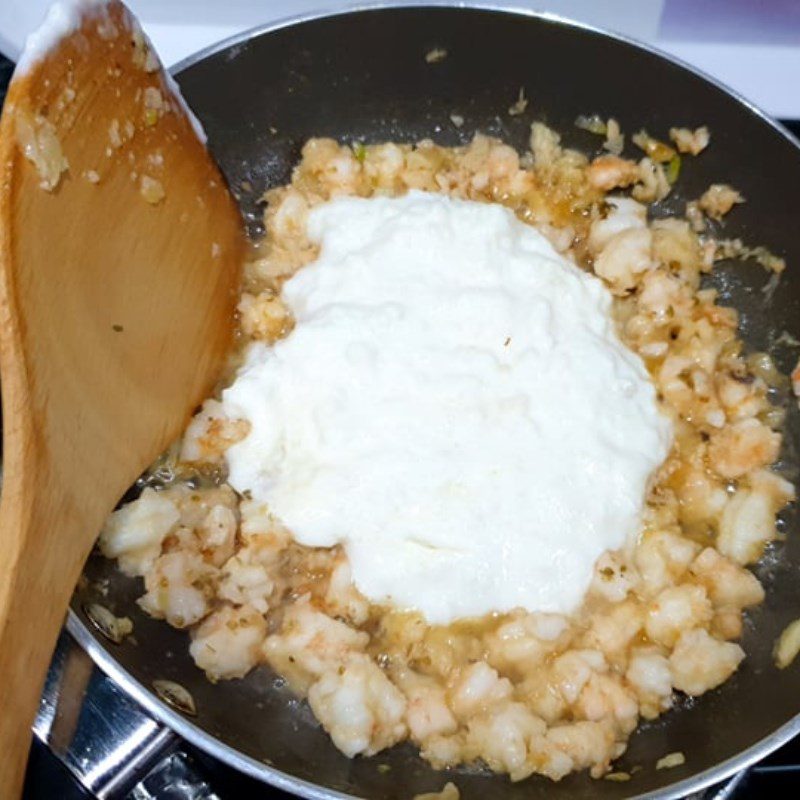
x=106 y=740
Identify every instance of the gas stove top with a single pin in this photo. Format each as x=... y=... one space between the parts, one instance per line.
x=47 y=778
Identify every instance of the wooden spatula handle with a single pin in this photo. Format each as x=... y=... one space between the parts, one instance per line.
x=32 y=604
x=120 y=255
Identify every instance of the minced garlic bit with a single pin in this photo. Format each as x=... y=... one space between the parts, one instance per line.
x=151 y=189
x=615 y=141
x=788 y=645
x=106 y=29
x=114 y=628
x=114 y=135
x=593 y=124
x=655 y=149
x=457 y=120
x=618 y=777
x=736 y=248
x=91 y=175
x=695 y=216
x=40 y=145
x=719 y=199
x=436 y=55
x=671 y=760
x=154 y=105
x=787 y=340
x=143 y=55
x=67 y=96
x=520 y=104
x=690 y=141
x=450 y=792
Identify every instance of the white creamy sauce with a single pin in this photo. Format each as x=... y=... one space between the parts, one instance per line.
x=62 y=19
x=453 y=406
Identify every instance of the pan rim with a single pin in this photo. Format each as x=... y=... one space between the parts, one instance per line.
x=252 y=767
x=479 y=5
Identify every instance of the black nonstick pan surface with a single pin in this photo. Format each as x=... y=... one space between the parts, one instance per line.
x=363 y=76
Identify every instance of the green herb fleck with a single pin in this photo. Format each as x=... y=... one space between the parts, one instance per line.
x=673 y=169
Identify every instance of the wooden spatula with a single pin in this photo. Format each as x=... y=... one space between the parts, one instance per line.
x=120 y=249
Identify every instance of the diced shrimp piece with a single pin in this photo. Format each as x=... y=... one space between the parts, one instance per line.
x=604 y=697
x=699 y=662
x=359 y=707
x=210 y=433
x=217 y=534
x=477 y=687
x=612 y=632
x=178 y=588
x=609 y=172
x=571 y=671
x=501 y=736
x=383 y=164
x=727 y=583
x=332 y=164
x=287 y=212
x=675 y=245
x=613 y=578
x=675 y=610
x=727 y=623
x=246 y=579
x=744 y=446
x=624 y=258
x=649 y=676
x=228 y=642
x=542 y=694
x=342 y=598
x=662 y=293
x=741 y=398
x=623 y=214
x=427 y=712
x=310 y=644
x=134 y=533
x=662 y=557
x=258 y=526
x=587 y=743
x=701 y=497
x=523 y=642
x=748 y=521
x=263 y=316
x=443 y=751
x=502 y=162
x=195 y=505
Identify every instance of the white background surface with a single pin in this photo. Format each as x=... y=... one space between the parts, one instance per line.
x=767 y=74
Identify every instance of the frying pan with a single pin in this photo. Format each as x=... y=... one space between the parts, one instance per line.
x=363 y=76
